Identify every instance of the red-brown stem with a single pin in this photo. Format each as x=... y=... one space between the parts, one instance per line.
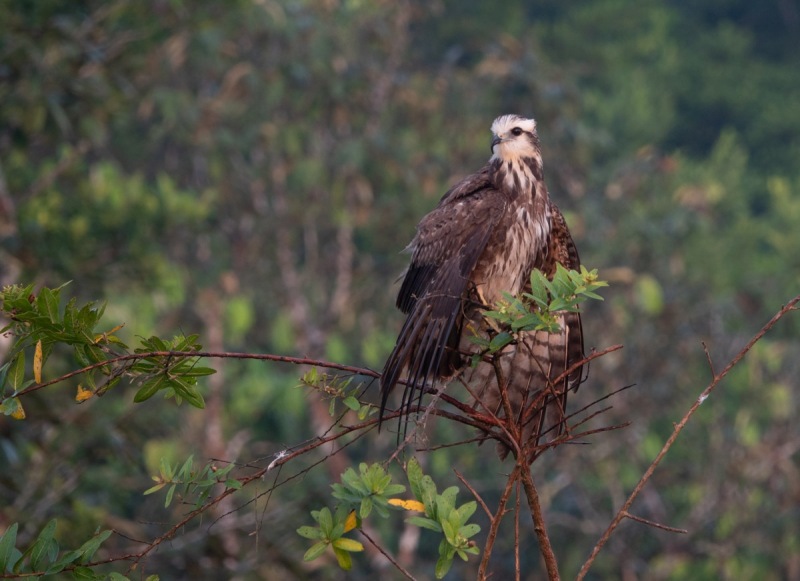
x=538 y=522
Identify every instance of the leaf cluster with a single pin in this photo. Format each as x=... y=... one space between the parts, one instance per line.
x=340 y=390
x=44 y=557
x=538 y=309
x=442 y=516
x=366 y=489
x=38 y=324
x=193 y=482
x=369 y=488
x=176 y=376
x=330 y=532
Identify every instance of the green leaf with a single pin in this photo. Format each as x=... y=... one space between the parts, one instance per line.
x=528 y=320
x=447 y=501
x=366 y=507
x=425 y=523
x=16 y=374
x=86 y=574
x=166 y=470
x=325 y=520
x=199 y=372
x=149 y=389
x=393 y=489
x=7 y=548
x=352 y=403
x=310 y=532
x=66 y=559
x=80 y=355
x=185 y=473
x=449 y=531
x=47 y=303
x=354 y=482
x=466 y=510
x=233 y=483
x=414 y=473
x=315 y=551
x=156 y=344
x=500 y=340
x=95 y=354
x=443 y=565
x=479 y=341
x=170 y=494
x=468 y=531
x=343 y=558
x=187 y=392
x=89 y=548
x=44 y=549
x=428 y=496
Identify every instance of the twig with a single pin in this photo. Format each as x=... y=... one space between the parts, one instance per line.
x=495 y=524
x=474 y=492
x=397 y=565
x=205 y=354
x=623 y=512
x=654 y=524
x=708 y=358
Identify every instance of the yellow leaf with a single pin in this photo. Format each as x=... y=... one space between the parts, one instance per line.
x=37 y=362
x=407 y=504
x=351 y=522
x=83 y=394
x=19 y=413
x=104 y=336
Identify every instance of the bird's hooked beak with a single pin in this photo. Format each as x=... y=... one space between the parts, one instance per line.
x=495 y=141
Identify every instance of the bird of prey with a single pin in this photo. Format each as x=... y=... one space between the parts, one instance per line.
x=484 y=238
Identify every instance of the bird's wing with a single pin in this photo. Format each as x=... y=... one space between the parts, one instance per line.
x=449 y=242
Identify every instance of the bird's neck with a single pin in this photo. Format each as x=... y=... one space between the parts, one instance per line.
x=519 y=176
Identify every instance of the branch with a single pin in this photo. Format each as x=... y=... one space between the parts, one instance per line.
x=538 y=521
x=495 y=524
x=205 y=354
x=623 y=512
x=654 y=524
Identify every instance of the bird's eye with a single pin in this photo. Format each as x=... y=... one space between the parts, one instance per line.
x=516 y=131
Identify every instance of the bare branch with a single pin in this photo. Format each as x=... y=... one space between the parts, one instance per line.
x=654 y=524
x=623 y=512
x=474 y=492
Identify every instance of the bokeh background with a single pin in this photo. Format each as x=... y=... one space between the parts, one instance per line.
x=249 y=170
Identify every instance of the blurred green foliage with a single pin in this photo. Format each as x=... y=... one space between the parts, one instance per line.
x=248 y=171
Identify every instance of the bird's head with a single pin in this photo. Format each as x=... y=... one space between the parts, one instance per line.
x=513 y=138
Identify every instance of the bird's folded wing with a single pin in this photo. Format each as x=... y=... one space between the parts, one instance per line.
x=449 y=243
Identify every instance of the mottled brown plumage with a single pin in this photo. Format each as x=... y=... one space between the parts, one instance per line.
x=484 y=238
